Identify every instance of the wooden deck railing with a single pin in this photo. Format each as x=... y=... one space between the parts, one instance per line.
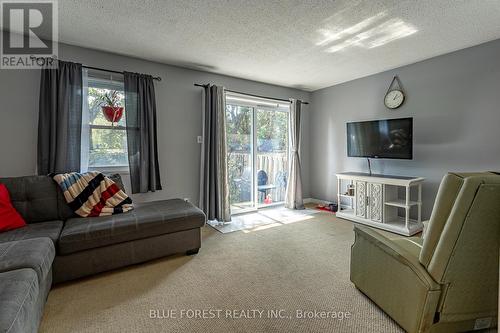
x=274 y=164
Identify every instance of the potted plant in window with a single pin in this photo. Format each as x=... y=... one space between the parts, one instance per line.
x=110 y=105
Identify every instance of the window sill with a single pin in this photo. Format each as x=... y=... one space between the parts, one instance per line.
x=122 y=170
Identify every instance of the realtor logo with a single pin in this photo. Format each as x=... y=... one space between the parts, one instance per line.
x=29 y=34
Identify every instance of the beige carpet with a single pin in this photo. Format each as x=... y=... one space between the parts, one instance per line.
x=290 y=267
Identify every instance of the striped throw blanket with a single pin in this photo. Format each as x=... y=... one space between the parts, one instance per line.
x=92 y=194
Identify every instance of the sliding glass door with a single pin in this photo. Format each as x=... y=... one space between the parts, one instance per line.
x=258 y=154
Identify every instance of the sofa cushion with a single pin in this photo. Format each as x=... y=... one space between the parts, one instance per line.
x=146 y=220
x=9 y=217
x=36 y=198
x=19 y=291
x=37 y=254
x=50 y=229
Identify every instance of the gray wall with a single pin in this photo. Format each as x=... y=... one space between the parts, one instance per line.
x=455 y=102
x=179 y=118
x=454 y=99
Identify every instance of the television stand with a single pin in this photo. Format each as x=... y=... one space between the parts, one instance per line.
x=375 y=201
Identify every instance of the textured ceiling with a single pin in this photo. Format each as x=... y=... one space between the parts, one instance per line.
x=302 y=44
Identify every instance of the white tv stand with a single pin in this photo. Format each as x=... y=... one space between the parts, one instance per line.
x=375 y=201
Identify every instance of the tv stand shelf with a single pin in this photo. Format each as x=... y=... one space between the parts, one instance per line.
x=376 y=201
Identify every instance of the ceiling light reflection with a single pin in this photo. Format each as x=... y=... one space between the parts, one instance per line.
x=379 y=35
x=331 y=35
x=395 y=30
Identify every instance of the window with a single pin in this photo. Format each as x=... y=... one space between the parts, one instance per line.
x=104 y=135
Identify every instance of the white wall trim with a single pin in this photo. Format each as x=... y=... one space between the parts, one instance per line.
x=316 y=201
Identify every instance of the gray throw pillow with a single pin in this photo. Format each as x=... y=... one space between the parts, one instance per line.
x=117 y=179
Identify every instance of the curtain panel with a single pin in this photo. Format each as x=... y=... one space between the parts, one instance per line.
x=214 y=185
x=293 y=197
x=60 y=119
x=142 y=142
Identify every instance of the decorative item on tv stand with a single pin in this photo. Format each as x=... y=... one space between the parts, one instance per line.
x=350 y=189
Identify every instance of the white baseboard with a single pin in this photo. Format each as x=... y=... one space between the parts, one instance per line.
x=316 y=201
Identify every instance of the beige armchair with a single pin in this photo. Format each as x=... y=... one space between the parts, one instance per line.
x=447 y=282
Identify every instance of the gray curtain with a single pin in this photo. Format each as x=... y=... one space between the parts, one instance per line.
x=293 y=197
x=214 y=191
x=140 y=116
x=60 y=119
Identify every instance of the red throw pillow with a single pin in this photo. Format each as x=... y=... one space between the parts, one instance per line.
x=9 y=217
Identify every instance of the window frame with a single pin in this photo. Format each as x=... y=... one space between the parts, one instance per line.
x=101 y=80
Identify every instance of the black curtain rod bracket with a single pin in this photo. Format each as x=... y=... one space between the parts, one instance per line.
x=258 y=96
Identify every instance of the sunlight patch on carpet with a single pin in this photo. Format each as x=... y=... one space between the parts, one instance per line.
x=263 y=219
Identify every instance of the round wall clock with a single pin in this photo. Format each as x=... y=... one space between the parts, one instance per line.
x=394 y=99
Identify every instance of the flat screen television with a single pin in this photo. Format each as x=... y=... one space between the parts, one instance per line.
x=387 y=138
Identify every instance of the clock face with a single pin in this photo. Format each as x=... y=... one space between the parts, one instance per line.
x=394 y=99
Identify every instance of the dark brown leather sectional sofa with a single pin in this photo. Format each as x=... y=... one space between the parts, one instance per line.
x=57 y=246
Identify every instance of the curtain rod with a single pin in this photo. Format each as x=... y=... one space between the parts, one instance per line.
x=258 y=96
x=157 y=78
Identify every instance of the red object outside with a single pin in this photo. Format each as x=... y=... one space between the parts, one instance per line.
x=268 y=200
x=113 y=113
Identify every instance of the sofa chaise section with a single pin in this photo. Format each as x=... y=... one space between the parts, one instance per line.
x=152 y=230
x=145 y=220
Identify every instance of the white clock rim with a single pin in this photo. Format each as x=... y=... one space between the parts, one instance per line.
x=398 y=105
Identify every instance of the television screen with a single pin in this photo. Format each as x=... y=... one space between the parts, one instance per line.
x=388 y=138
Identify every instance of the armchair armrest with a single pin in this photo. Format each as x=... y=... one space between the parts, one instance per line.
x=398 y=253
x=392 y=276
